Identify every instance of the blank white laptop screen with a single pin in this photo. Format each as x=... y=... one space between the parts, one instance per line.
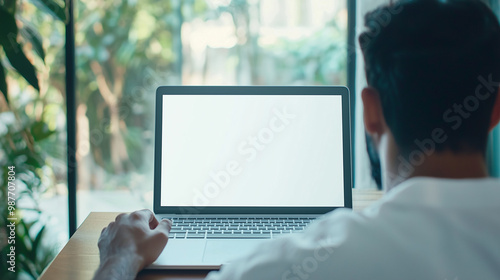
x=252 y=151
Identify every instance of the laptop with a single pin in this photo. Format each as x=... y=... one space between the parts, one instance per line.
x=238 y=166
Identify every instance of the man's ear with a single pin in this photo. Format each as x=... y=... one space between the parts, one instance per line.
x=495 y=116
x=373 y=115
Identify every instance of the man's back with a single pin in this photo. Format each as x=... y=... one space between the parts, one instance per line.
x=427 y=228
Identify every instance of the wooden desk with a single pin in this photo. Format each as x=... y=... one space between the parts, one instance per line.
x=80 y=257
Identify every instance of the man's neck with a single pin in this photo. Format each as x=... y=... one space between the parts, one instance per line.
x=440 y=165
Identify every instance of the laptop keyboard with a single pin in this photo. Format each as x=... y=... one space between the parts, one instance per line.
x=220 y=228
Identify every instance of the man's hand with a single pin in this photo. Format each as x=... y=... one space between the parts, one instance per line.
x=130 y=243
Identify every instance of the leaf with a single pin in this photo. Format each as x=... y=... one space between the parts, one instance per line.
x=3 y=82
x=10 y=5
x=21 y=63
x=22 y=235
x=52 y=8
x=35 y=161
x=31 y=34
x=37 y=240
x=8 y=32
x=41 y=131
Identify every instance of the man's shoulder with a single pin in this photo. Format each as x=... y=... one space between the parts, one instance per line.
x=412 y=208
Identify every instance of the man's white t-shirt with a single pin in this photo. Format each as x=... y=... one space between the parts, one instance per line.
x=425 y=228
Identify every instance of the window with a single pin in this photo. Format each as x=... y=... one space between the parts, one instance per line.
x=126 y=49
x=362 y=177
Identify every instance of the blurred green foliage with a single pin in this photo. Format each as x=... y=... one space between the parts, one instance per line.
x=114 y=40
x=22 y=138
x=125 y=49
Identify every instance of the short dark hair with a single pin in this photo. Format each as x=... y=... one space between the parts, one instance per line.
x=428 y=60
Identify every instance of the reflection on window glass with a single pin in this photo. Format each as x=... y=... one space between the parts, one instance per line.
x=126 y=49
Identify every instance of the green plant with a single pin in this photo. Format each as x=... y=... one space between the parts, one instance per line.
x=21 y=140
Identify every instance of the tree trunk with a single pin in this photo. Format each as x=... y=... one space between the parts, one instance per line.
x=119 y=154
x=112 y=96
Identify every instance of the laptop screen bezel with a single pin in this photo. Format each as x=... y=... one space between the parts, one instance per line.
x=251 y=90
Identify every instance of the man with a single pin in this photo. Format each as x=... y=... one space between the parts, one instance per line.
x=433 y=68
